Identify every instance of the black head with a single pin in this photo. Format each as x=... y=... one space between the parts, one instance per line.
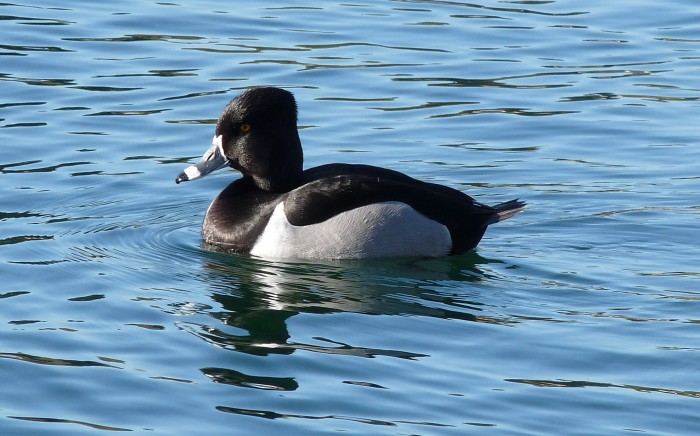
x=260 y=139
x=257 y=135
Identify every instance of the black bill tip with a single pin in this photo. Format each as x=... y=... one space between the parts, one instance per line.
x=182 y=178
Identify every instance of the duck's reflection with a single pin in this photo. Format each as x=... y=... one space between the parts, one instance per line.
x=256 y=298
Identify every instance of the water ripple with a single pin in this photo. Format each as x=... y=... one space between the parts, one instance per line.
x=269 y=414
x=51 y=361
x=69 y=421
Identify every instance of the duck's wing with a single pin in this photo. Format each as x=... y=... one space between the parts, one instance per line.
x=336 y=188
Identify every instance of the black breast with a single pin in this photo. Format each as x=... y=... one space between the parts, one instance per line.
x=239 y=215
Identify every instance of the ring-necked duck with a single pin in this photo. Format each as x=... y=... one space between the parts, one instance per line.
x=333 y=211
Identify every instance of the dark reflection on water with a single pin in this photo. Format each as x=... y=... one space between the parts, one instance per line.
x=590 y=384
x=235 y=378
x=43 y=169
x=258 y=298
x=69 y=421
x=267 y=334
x=24 y=238
x=269 y=414
x=51 y=361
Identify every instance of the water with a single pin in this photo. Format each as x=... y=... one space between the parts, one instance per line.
x=579 y=316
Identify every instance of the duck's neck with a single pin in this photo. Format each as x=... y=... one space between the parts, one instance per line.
x=285 y=171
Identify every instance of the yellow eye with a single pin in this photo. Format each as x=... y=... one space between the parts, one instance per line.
x=245 y=128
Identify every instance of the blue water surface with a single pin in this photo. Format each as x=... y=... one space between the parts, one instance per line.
x=578 y=316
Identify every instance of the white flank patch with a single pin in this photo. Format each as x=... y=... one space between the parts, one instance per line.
x=389 y=229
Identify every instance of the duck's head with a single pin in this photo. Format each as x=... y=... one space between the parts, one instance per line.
x=256 y=135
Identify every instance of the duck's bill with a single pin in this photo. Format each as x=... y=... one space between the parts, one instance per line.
x=212 y=160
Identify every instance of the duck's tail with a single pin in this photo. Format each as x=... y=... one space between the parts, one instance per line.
x=507 y=209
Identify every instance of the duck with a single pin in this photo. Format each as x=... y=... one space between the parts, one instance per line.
x=280 y=210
